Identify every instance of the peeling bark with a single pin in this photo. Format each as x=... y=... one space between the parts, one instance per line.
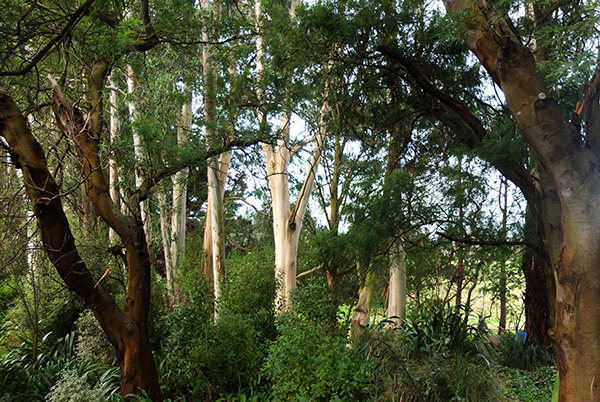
x=573 y=170
x=362 y=310
x=287 y=222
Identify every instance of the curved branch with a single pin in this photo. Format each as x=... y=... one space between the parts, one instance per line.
x=150 y=39
x=58 y=240
x=75 y=17
x=477 y=242
x=143 y=190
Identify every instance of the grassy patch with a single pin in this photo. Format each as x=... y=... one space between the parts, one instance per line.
x=527 y=386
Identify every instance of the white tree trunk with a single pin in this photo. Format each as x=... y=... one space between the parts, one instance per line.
x=397 y=290
x=165 y=213
x=179 y=215
x=138 y=148
x=218 y=165
x=113 y=169
x=286 y=222
x=173 y=219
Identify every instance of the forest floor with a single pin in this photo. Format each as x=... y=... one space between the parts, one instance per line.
x=527 y=386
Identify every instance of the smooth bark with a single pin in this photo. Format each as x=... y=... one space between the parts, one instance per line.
x=127 y=329
x=397 y=291
x=287 y=221
x=173 y=217
x=113 y=169
x=139 y=149
x=218 y=165
x=572 y=169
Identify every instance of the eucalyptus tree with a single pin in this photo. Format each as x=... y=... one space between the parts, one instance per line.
x=284 y=42
x=568 y=157
x=561 y=191
x=78 y=45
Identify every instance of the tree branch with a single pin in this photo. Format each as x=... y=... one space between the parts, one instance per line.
x=46 y=49
x=58 y=240
x=150 y=39
x=477 y=242
x=143 y=191
x=310 y=271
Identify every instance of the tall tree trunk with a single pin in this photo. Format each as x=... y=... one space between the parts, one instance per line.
x=571 y=167
x=399 y=136
x=336 y=199
x=538 y=323
x=179 y=214
x=126 y=329
x=218 y=165
x=397 y=297
x=503 y=275
x=138 y=148
x=113 y=169
x=362 y=310
x=173 y=219
x=287 y=222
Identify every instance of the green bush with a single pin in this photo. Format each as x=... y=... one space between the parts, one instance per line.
x=434 y=359
x=457 y=378
x=92 y=343
x=313 y=302
x=249 y=291
x=521 y=355
x=443 y=332
x=72 y=387
x=207 y=359
x=29 y=372
x=308 y=362
x=527 y=386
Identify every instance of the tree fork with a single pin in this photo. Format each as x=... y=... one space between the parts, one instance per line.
x=572 y=170
x=127 y=330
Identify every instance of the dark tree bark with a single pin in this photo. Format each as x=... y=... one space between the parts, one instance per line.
x=572 y=169
x=127 y=329
x=537 y=317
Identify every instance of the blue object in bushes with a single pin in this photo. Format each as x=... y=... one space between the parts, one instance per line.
x=523 y=334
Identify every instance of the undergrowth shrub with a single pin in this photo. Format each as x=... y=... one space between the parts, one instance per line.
x=208 y=359
x=525 y=356
x=434 y=359
x=29 y=372
x=72 y=387
x=311 y=359
x=444 y=331
x=92 y=343
x=307 y=362
x=249 y=290
x=527 y=386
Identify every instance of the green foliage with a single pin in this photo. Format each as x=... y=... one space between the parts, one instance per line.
x=445 y=332
x=314 y=304
x=308 y=363
x=31 y=371
x=524 y=356
x=249 y=291
x=92 y=343
x=73 y=388
x=457 y=378
x=207 y=358
x=433 y=359
x=527 y=386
